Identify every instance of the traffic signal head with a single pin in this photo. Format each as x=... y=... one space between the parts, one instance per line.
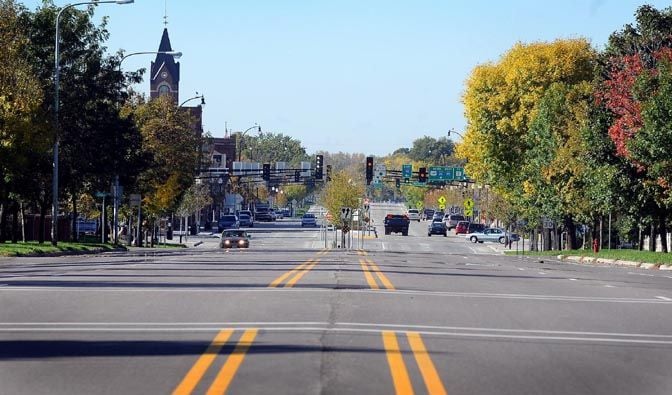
x=397 y=182
x=422 y=174
x=319 y=170
x=328 y=172
x=297 y=176
x=266 y=172
x=369 y=169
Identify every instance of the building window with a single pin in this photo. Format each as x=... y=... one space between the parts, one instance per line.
x=164 y=89
x=217 y=160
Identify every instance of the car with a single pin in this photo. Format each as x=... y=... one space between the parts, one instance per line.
x=308 y=219
x=489 y=234
x=228 y=221
x=397 y=223
x=451 y=220
x=462 y=227
x=248 y=212
x=263 y=214
x=245 y=220
x=414 y=214
x=437 y=228
x=277 y=213
x=427 y=214
x=438 y=215
x=234 y=238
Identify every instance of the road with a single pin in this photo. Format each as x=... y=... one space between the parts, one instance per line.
x=406 y=314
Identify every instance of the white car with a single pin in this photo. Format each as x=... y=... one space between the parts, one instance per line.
x=490 y=234
x=413 y=215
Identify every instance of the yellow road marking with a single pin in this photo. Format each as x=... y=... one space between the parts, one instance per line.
x=300 y=274
x=191 y=379
x=427 y=369
x=402 y=383
x=296 y=270
x=283 y=277
x=367 y=274
x=383 y=278
x=233 y=362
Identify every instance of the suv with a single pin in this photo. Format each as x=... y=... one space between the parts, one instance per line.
x=428 y=214
x=396 y=223
x=414 y=215
x=475 y=227
x=451 y=220
x=263 y=214
x=228 y=221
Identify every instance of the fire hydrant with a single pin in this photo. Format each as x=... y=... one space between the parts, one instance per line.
x=596 y=246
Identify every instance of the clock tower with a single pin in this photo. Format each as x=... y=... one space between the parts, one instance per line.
x=165 y=72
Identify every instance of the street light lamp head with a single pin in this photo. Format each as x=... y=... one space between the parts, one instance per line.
x=125 y=1
x=202 y=100
x=175 y=54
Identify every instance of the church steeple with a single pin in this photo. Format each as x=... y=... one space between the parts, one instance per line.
x=165 y=72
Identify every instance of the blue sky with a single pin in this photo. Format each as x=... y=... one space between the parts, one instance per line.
x=364 y=76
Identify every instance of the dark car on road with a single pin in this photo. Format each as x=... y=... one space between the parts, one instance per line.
x=475 y=227
x=427 y=214
x=437 y=228
x=228 y=221
x=245 y=220
x=397 y=223
x=234 y=238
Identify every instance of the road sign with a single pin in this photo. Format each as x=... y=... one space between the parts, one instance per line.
x=442 y=206
x=468 y=204
x=442 y=200
x=407 y=171
x=379 y=172
x=436 y=173
x=418 y=205
x=468 y=212
x=346 y=212
x=102 y=194
x=458 y=174
x=135 y=199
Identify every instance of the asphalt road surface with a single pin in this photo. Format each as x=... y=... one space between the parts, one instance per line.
x=412 y=314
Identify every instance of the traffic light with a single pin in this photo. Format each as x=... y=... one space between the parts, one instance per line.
x=319 y=170
x=266 y=172
x=369 y=169
x=397 y=182
x=328 y=173
x=422 y=174
x=297 y=176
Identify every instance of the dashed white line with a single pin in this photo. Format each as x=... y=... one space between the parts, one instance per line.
x=609 y=286
x=542 y=273
x=572 y=279
x=664 y=298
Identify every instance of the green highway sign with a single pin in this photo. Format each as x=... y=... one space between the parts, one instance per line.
x=444 y=173
x=436 y=173
x=407 y=171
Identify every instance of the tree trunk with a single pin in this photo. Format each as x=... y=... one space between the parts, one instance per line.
x=3 y=221
x=15 y=222
x=43 y=220
x=23 y=222
x=652 y=237
x=75 y=215
x=533 y=240
x=571 y=233
x=640 y=244
x=546 y=245
x=662 y=230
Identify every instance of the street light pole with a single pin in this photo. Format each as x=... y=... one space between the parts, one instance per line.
x=116 y=167
x=240 y=138
x=194 y=98
x=57 y=76
x=453 y=131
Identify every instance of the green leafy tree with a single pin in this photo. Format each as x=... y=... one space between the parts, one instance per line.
x=271 y=148
x=342 y=191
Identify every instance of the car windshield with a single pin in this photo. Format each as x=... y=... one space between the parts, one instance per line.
x=234 y=233
x=228 y=218
x=309 y=216
x=244 y=216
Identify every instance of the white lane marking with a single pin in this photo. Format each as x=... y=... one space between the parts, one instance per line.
x=542 y=273
x=572 y=279
x=521 y=268
x=382 y=245
x=664 y=298
x=609 y=286
x=322 y=329
x=555 y=298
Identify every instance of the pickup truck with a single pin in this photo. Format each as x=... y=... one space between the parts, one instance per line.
x=397 y=223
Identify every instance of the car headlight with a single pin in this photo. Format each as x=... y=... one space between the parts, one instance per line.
x=241 y=242
x=227 y=241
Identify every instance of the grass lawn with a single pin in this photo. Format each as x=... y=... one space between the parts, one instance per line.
x=624 y=255
x=34 y=248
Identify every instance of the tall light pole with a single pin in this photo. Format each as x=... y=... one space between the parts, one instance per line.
x=57 y=76
x=116 y=196
x=194 y=98
x=453 y=131
x=240 y=138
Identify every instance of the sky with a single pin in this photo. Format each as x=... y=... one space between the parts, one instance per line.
x=366 y=76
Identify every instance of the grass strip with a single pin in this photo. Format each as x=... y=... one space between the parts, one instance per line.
x=622 y=255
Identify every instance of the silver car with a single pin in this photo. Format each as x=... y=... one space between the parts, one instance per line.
x=489 y=234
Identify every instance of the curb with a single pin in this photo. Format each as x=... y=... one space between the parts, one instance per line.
x=588 y=260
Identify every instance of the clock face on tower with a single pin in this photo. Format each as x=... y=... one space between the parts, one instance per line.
x=164 y=75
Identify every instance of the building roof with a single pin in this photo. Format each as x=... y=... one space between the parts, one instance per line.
x=163 y=59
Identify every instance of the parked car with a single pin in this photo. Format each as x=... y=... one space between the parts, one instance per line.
x=451 y=220
x=427 y=214
x=228 y=221
x=234 y=238
x=414 y=215
x=489 y=234
x=308 y=219
x=245 y=220
x=437 y=228
x=462 y=227
x=397 y=223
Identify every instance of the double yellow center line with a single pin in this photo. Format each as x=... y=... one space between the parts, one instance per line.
x=400 y=377
x=225 y=375
x=369 y=267
x=295 y=274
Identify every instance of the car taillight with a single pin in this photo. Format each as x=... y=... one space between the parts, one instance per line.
x=388 y=216
x=405 y=216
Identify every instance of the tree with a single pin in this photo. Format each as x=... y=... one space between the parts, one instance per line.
x=432 y=151
x=271 y=148
x=342 y=191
